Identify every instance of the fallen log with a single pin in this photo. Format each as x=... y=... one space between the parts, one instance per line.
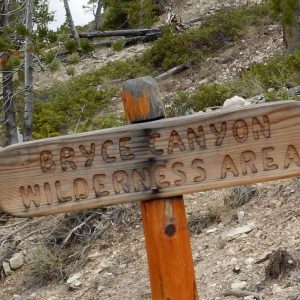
x=238 y=293
x=129 y=41
x=134 y=32
x=172 y=72
x=125 y=32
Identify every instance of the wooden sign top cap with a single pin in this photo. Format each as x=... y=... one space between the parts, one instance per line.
x=142 y=101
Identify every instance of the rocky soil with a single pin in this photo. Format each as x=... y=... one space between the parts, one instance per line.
x=253 y=245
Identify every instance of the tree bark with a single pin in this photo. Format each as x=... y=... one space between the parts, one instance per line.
x=125 y=32
x=291 y=34
x=7 y=81
x=291 y=37
x=71 y=23
x=98 y=14
x=28 y=71
x=9 y=107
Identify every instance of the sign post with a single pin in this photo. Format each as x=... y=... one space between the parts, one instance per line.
x=153 y=159
x=170 y=261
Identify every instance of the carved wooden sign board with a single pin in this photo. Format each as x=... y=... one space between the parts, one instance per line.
x=151 y=160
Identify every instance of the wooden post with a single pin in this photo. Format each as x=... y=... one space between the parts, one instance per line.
x=170 y=260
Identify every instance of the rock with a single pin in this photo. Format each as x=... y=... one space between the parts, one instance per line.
x=240 y=215
x=212 y=230
x=105 y=264
x=6 y=268
x=239 y=285
x=276 y=289
x=74 y=281
x=107 y=275
x=123 y=266
x=101 y=288
x=93 y=256
x=235 y=101
x=236 y=270
x=17 y=297
x=295 y=90
x=17 y=261
x=249 y=261
x=236 y=232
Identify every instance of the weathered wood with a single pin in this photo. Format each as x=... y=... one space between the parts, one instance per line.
x=134 y=32
x=140 y=100
x=163 y=158
x=28 y=74
x=129 y=41
x=123 y=32
x=71 y=24
x=172 y=72
x=239 y=293
x=170 y=260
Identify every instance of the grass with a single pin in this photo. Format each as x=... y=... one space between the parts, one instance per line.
x=270 y=79
x=59 y=108
x=196 y=44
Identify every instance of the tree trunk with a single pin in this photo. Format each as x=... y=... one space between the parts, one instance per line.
x=123 y=32
x=9 y=108
x=28 y=70
x=7 y=80
x=71 y=23
x=291 y=37
x=98 y=14
x=291 y=34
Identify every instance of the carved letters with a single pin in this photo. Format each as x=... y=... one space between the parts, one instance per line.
x=175 y=159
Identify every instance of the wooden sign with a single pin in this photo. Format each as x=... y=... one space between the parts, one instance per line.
x=151 y=160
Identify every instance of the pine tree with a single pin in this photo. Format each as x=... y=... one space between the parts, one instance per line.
x=16 y=55
x=289 y=13
x=71 y=23
x=10 y=16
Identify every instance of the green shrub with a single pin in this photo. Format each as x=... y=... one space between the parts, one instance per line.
x=71 y=45
x=65 y=104
x=285 y=10
x=46 y=265
x=71 y=71
x=13 y=62
x=62 y=37
x=270 y=79
x=96 y=123
x=85 y=45
x=48 y=57
x=119 y=44
x=209 y=95
x=52 y=36
x=74 y=58
x=141 y=14
x=197 y=43
x=129 y=14
x=54 y=65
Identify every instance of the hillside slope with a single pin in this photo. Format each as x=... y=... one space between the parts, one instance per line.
x=103 y=254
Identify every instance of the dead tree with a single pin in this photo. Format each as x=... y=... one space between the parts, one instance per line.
x=28 y=72
x=71 y=23
x=7 y=82
x=98 y=14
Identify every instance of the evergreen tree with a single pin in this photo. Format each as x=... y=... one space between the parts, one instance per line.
x=129 y=14
x=17 y=46
x=289 y=13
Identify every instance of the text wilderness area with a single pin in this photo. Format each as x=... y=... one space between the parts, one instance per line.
x=151 y=160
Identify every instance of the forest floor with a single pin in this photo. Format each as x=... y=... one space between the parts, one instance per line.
x=265 y=217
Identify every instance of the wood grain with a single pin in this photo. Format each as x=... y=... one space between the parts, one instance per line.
x=150 y=160
x=169 y=253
